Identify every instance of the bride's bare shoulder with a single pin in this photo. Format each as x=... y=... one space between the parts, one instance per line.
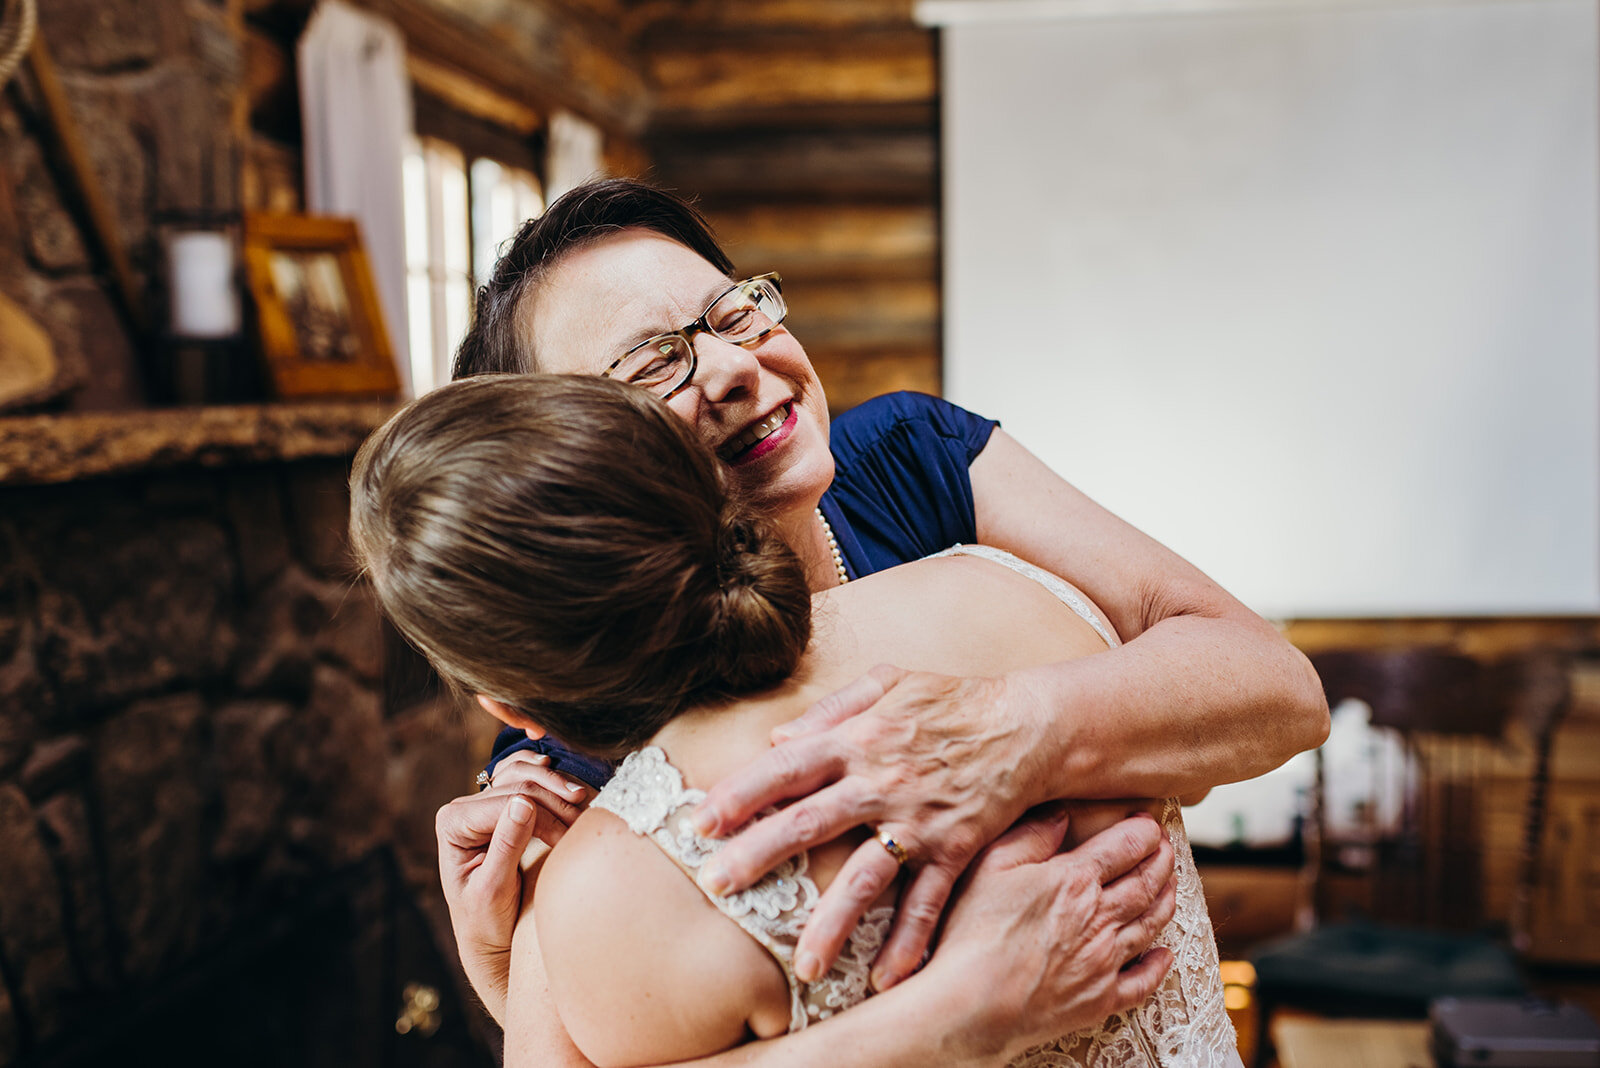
x=964 y=614
x=642 y=969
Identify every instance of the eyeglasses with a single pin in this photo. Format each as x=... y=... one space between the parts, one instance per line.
x=745 y=312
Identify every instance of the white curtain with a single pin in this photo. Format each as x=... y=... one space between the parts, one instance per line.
x=355 y=104
x=573 y=156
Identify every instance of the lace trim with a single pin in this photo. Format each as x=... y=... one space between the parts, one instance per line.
x=647 y=792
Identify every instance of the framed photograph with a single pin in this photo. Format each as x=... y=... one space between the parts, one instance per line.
x=316 y=307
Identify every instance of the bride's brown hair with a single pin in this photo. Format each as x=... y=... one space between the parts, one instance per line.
x=568 y=546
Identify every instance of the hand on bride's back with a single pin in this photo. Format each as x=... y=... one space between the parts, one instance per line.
x=943 y=764
x=1055 y=941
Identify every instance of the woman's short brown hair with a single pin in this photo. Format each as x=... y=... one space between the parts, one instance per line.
x=568 y=546
x=584 y=214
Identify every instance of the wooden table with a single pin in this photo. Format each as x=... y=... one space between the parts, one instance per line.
x=1304 y=1042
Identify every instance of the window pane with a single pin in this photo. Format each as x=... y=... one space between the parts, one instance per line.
x=414 y=190
x=530 y=196
x=419 y=305
x=485 y=182
x=503 y=198
x=457 y=310
x=452 y=171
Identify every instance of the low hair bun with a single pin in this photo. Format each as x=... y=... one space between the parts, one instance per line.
x=761 y=620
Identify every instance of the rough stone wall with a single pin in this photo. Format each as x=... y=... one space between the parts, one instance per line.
x=151 y=84
x=193 y=731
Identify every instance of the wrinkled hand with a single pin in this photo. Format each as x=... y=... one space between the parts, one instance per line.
x=942 y=764
x=1054 y=942
x=482 y=841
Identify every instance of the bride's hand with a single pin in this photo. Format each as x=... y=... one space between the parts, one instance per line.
x=483 y=838
x=944 y=765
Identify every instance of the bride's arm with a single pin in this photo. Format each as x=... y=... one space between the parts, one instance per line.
x=638 y=965
x=1073 y=927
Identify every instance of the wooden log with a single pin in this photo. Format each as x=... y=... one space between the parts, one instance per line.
x=271 y=92
x=865 y=315
x=103 y=221
x=805 y=241
x=1485 y=638
x=469 y=95
x=773 y=163
x=611 y=12
x=626 y=157
x=677 y=18
x=46 y=449
x=795 y=72
x=539 y=55
x=852 y=377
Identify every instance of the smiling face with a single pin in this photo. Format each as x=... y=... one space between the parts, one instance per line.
x=759 y=405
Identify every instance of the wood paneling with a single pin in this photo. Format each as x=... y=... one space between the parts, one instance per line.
x=774 y=166
x=1485 y=638
x=866 y=314
x=789 y=73
x=808 y=130
x=853 y=376
x=673 y=18
x=832 y=240
x=540 y=55
x=470 y=96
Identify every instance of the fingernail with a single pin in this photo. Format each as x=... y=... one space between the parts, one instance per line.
x=521 y=809
x=807 y=968
x=704 y=822
x=574 y=787
x=783 y=732
x=882 y=979
x=539 y=758
x=714 y=879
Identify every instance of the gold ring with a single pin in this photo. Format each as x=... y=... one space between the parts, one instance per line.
x=482 y=780
x=896 y=850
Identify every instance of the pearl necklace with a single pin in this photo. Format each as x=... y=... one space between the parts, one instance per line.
x=833 y=548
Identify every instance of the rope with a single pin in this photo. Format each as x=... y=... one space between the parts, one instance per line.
x=18 y=21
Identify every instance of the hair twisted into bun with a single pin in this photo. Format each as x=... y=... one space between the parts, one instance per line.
x=567 y=545
x=763 y=606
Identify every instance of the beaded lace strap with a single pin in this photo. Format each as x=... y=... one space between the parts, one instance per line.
x=648 y=794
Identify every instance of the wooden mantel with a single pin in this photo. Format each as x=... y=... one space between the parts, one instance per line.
x=46 y=449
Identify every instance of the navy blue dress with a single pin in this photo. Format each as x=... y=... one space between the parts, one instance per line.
x=901 y=491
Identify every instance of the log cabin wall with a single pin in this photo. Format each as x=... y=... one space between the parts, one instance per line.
x=806 y=129
x=808 y=132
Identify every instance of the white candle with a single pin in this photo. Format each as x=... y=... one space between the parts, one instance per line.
x=205 y=301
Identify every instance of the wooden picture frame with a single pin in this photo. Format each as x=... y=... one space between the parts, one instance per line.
x=317 y=315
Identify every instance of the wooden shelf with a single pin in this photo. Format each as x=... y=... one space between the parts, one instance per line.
x=46 y=449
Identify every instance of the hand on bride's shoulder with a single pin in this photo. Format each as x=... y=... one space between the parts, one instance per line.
x=642 y=969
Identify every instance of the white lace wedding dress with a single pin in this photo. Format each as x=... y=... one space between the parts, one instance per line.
x=1183 y=1024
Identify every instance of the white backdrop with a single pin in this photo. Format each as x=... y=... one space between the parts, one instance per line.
x=1308 y=293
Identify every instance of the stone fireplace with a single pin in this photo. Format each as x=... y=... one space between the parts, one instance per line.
x=218 y=770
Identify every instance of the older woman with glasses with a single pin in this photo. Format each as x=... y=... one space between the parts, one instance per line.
x=619 y=279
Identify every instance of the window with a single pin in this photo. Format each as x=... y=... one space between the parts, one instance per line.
x=459 y=210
